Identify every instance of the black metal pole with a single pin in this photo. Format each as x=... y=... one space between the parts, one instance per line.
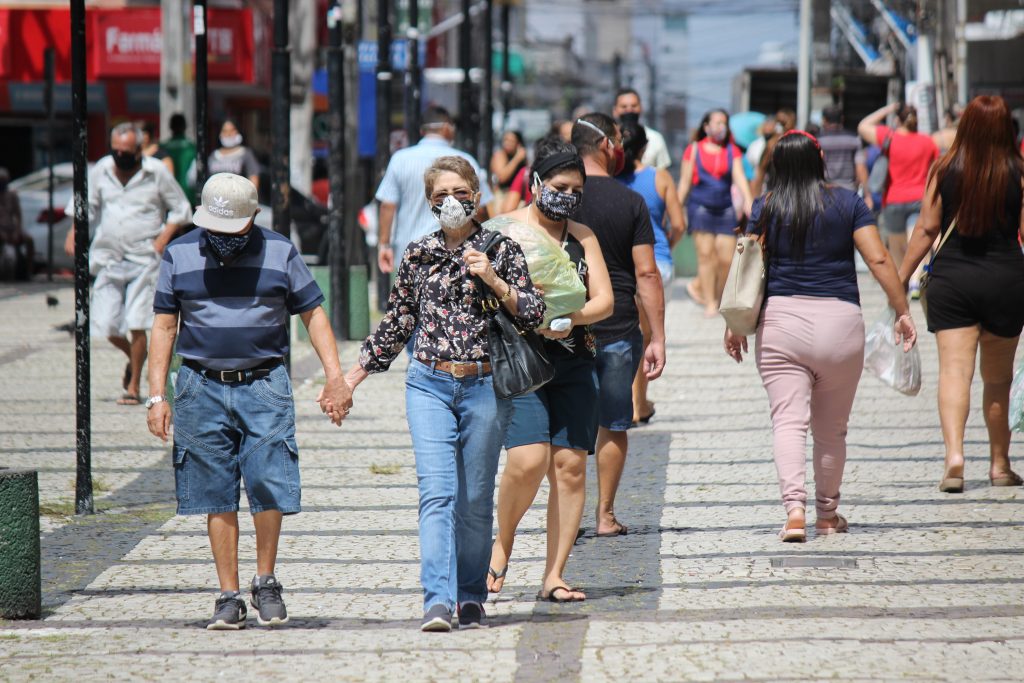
x=506 y=69
x=413 y=76
x=384 y=76
x=336 y=170
x=488 y=85
x=280 y=125
x=467 y=119
x=51 y=128
x=80 y=150
x=202 y=80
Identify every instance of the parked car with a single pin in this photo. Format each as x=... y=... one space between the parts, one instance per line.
x=32 y=190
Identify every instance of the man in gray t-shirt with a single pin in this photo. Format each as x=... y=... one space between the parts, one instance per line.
x=844 y=157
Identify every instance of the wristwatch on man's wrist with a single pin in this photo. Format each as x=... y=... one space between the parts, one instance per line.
x=152 y=401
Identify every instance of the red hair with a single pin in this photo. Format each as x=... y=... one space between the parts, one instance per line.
x=982 y=161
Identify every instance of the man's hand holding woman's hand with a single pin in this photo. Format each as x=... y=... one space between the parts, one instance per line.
x=335 y=399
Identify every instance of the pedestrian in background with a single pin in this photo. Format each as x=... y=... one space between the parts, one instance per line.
x=506 y=163
x=845 y=163
x=232 y=156
x=943 y=138
x=456 y=420
x=182 y=153
x=810 y=338
x=405 y=214
x=784 y=121
x=627 y=101
x=910 y=155
x=712 y=164
x=658 y=189
x=622 y=224
x=17 y=249
x=976 y=284
x=554 y=428
x=137 y=207
x=151 y=146
x=234 y=413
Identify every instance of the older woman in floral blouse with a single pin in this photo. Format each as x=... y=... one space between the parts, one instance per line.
x=457 y=422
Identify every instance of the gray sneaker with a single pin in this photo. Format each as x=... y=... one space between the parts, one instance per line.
x=228 y=614
x=471 y=615
x=266 y=600
x=437 y=618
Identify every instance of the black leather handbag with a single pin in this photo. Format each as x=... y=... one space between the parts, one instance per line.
x=518 y=362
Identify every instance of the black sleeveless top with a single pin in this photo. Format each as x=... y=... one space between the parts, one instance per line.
x=1000 y=244
x=581 y=342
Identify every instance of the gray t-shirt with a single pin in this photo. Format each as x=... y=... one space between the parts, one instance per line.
x=241 y=163
x=842 y=152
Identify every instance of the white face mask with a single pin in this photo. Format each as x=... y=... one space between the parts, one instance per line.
x=231 y=140
x=453 y=214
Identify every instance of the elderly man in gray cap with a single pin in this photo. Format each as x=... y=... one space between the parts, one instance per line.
x=226 y=293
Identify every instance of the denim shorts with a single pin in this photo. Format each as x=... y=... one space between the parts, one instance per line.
x=899 y=219
x=617 y=363
x=563 y=412
x=716 y=221
x=226 y=434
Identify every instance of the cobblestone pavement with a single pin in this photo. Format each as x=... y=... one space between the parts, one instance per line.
x=926 y=586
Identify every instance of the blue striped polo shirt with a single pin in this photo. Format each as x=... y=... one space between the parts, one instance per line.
x=234 y=315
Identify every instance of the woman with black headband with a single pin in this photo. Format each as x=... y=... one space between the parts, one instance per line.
x=553 y=429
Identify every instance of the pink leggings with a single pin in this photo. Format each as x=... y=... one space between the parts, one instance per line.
x=810 y=353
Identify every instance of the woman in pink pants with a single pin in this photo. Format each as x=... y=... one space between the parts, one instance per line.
x=810 y=339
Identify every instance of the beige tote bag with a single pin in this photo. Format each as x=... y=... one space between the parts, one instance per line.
x=744 y=287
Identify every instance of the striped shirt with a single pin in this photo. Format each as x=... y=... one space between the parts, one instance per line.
x=234 y=315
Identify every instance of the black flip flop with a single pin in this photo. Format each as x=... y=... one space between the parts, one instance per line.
x=497 y=575
x=129 y=400
x=550 y=597
x=621 y=531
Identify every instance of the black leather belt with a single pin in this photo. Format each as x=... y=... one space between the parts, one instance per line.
x=234 y=376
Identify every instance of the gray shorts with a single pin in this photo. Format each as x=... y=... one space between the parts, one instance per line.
x=897 y=219
x=122 y=298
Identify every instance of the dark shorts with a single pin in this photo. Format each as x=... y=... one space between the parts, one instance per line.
x=989 y=294
x=899 y=219
x=617 y=363
x=563 y=412
x=716 y=221
x=225 y=434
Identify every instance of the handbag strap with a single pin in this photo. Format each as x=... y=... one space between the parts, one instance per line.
x=949 y=231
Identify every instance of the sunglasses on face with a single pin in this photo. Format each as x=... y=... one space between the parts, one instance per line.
x=461 y=195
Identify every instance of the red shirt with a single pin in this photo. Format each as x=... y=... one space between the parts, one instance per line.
x=716 y=164
x=910 y=157
x=522 y=185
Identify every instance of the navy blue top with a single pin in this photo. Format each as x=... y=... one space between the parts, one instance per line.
x=827 y=268
x=234 y=315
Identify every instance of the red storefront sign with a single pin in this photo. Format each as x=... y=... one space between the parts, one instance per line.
x=123 y=43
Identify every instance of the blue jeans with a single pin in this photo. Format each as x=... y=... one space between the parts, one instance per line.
x=617 y=363
x=228 y=433
x=457 y=426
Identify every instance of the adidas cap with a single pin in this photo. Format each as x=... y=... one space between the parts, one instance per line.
x=228 y=204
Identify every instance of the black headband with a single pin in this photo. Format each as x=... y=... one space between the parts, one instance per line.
x=557 y=159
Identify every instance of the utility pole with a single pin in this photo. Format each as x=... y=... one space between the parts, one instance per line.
x=384 y=77
x=80 y=141
x=202 y=80
x=355 y=179
x=51 y=128
x=468 y=116
x=803 y=72
x=616 y=72
x=176 y=91
x=413 y=77
x=280 y=125
x=488 y=89
x=335 y=171
x=506 y=69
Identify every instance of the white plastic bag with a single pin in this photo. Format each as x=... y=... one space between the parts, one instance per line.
x=1017 y=399
x=886 y=359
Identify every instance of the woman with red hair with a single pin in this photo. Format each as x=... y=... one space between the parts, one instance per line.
x=976 y=286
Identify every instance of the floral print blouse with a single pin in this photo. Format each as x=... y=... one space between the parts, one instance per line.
x=435 y=297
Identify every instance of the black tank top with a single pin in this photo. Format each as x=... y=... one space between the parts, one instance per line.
x=580 y=343
x=999 y=243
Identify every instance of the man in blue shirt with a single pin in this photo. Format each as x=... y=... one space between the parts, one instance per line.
x=232 y=287
x=404 y=213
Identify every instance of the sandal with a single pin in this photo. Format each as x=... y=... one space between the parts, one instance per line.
x=129 y=400
x=552 y=595
x=621 y=530
x=497 y=575
x=841 y=527
x=796 y=534
x=952 y=485
x=1009 y=479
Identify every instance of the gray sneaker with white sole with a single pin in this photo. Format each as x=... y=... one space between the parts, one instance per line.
x=266 y=600
x=228 y=614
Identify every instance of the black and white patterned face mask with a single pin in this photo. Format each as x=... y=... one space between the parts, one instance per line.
x=452 y=213
x=558 y=206
x=227 y=246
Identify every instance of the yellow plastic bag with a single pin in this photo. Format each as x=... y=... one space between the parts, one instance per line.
x=550 y=267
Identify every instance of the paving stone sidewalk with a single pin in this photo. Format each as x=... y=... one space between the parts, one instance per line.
x=925 y=587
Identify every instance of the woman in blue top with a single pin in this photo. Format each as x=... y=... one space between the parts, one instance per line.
x=810 y=339
x=658 y=190
x=711 y=166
